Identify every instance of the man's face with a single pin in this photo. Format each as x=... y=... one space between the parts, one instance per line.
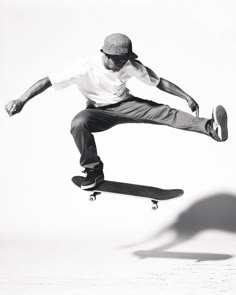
x=113 y=63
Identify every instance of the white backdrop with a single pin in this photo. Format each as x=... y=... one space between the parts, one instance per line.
x=191 y=43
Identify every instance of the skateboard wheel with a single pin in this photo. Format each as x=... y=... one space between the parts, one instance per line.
x=154 y=207
x=92 y=198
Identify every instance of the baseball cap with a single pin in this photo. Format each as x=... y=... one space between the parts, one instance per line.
x=118 y=45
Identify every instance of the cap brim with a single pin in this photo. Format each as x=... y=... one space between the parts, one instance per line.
x=131 y=55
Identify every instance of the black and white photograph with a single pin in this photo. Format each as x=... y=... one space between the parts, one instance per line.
x=117 y=147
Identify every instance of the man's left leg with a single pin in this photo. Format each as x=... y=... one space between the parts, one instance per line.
x=146 y=111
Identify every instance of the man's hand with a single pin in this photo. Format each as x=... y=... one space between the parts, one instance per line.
x=193 y=106
x=14 y=106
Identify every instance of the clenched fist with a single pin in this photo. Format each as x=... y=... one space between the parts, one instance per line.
x=14 y=106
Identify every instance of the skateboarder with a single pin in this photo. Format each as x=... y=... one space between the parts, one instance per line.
x=102 y=80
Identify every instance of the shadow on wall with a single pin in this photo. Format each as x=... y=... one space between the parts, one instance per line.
x=215 y=212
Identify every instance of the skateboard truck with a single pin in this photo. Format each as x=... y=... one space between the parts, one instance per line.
x=154 y=205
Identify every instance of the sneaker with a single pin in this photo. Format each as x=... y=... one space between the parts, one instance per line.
x=219 y=122
x=94 y=177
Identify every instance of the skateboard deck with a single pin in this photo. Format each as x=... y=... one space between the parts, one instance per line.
x=135 y=190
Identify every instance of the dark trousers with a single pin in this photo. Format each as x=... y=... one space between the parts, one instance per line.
x=134 y=110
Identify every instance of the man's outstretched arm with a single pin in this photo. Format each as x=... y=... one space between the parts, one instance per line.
x=15 y=106
x=171 y=88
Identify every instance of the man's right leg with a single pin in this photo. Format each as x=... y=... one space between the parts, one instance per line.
x=82 y=127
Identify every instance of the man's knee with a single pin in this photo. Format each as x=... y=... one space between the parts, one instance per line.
x=79 y=121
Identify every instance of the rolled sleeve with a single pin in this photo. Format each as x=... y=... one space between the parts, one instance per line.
x=145 y=74
x=69 y=76
x=61 y=80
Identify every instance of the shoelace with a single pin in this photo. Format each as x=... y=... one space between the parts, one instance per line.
x=215 y=125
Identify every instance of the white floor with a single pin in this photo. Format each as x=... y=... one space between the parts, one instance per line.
x=201 y=265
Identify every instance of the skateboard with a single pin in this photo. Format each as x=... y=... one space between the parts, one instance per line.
x=153 y=193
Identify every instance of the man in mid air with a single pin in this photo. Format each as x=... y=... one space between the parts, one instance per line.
x=102 y=80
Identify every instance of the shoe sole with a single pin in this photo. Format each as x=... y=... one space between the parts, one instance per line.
x=220 y=117
x=98 y=181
